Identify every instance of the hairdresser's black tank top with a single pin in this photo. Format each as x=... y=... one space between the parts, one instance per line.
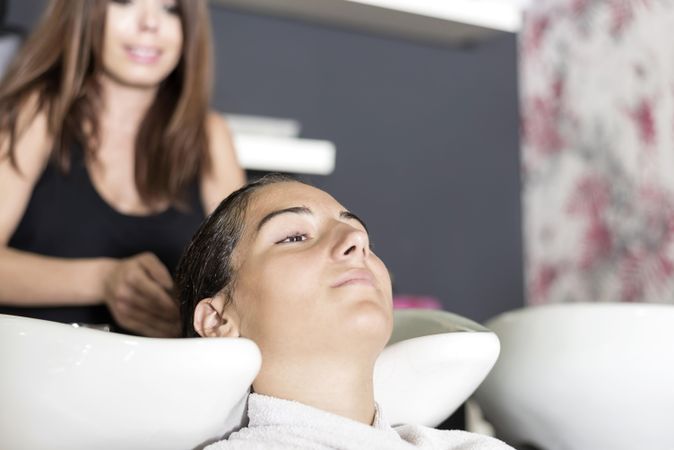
x=67 y=218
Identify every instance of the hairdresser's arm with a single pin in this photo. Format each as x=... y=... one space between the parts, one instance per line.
x=226 y=174
x=130 y=287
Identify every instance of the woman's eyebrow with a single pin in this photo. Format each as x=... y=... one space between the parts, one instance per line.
x=352 y=216
x=292 y=210
x=304 y=210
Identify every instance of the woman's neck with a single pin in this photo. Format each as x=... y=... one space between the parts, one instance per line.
x=342 y=389
x=124 y=106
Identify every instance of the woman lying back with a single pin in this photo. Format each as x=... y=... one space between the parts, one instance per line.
x=285 y=265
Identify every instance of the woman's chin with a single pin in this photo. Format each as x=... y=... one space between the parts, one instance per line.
x=370 y=320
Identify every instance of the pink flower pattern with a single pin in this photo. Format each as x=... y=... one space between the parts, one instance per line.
x=540 y=117
x=597 y=100
x=642 y=116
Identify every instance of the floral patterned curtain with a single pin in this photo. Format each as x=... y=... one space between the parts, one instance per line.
x=597 y=89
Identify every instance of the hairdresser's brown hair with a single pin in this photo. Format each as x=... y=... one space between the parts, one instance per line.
x=55 y=73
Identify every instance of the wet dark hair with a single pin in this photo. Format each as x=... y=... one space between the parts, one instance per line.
x=205 y=267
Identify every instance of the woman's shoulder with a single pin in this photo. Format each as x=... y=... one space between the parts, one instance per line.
x=220 y=139
x=225 y=174
x=430 y=438
x=216 y=119
x=33 y=140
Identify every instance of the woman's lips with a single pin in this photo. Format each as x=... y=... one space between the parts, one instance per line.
x=143 y=54
x=354 y=277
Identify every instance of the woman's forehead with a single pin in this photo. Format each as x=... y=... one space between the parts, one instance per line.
x=287 y=195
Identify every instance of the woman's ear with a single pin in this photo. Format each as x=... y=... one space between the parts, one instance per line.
x=213 y=319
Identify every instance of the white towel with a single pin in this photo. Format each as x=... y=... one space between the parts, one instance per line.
x=276 y=424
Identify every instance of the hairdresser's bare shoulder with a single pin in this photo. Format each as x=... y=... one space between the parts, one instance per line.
x=31 y=152
x=226 y=174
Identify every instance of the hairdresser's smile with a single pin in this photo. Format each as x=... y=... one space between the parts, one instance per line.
x=142 y=43
x=143 y=54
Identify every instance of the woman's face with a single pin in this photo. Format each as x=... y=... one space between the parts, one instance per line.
x=306 y=280
x=142 y=42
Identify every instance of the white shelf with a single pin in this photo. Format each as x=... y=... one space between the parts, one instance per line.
x=463 y=22
x=267 y=126
x=281 y=154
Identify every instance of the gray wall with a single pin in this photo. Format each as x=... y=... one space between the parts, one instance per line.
x=427 y=142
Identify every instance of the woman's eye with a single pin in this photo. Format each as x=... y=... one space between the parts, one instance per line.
x=172 y=8
x=293 y=238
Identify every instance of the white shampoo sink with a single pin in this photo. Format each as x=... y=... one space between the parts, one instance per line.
x=594 y=376
x=74 y=388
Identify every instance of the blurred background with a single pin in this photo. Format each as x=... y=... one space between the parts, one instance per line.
x=425 y=130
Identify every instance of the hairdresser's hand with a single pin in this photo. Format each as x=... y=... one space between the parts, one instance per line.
x=136 y=290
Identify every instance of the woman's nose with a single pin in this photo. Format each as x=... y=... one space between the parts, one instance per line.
x=350 y=243
x=149 y=15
